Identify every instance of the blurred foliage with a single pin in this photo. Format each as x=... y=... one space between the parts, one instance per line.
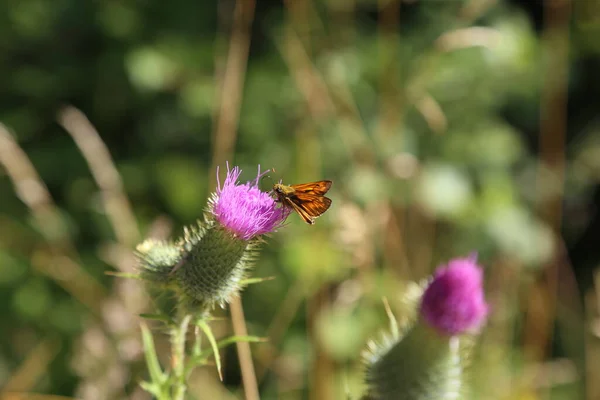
x=425 y=114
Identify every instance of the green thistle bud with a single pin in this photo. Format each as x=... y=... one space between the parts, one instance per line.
x=157 y=259
x=422 y=365
x=213 y=267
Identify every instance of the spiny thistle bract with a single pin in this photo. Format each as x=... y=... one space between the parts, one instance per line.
x=426 y=358
x=207 y=265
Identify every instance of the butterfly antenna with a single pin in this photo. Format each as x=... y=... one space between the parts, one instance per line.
x=265 y=175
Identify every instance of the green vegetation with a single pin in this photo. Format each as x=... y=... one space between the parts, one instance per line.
x=446 y=126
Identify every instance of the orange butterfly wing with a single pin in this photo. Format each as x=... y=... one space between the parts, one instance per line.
x=309 y=206
x=318 y=188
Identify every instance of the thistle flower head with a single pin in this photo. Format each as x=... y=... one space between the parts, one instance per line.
x=454 y=301
x=245 y=210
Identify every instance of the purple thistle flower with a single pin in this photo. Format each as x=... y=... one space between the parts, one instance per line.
x=454 y=300
x=244 y=209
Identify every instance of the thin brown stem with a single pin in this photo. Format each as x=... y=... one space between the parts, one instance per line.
x=389 y=100
x=225 y=134
x=323 y=371
x=116 y=203
x=244 y=353
x=33 y=368
x=553 y=121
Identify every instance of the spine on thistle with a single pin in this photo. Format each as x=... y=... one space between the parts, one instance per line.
x=427 y=359
x=206 y=267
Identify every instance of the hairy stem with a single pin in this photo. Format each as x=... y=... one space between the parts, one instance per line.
x=178 y=334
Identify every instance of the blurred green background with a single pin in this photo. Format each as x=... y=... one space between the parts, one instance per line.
x=447 y=127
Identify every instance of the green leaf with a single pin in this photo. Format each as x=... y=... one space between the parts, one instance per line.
x=156 y=374
x=250 y=281
x=157 y=317
x=393 y=322
x=200 y=358
x=151 y=388
x=213 y=343
x=210 y=318
x=231 y=340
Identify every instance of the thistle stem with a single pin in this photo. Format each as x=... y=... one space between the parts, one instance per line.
x=178 y=334
x=197 y=342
